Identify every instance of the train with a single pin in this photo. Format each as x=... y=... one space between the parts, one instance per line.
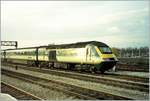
x=93 y=56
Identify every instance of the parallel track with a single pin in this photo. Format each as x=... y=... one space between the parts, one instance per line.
x=98 y=79
x=82 y=93
x=17 y=93
x=127 y=67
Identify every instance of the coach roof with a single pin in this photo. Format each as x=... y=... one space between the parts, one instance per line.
x=72 y=45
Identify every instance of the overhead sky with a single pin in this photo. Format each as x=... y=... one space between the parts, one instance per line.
x=35 y=23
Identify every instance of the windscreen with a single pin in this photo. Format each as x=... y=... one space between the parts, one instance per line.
x=105 y=50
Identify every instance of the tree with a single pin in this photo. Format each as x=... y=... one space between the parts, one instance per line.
x=116 y=51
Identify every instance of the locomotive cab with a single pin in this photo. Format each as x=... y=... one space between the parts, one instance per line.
x=101 y=57
x=109 y=60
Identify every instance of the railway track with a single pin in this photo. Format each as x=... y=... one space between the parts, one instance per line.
x=111 y=75
x=107 y=74
x=79 y=92
x=17 y=93
x=127 y=67
x=104 y=79
x=129 y=78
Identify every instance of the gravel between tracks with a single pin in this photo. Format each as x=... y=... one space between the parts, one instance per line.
x=16 y=92
x=131 y=73
x=36 y=89
x=96 y=86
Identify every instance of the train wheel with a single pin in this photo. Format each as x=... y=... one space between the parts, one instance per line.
x=49 y=65
x=81 y=70
x=39 y=66
x=52 y=65
x=93 y=69
x=68 y=67
x=36 y=63
x=102 y=72
x=72 y=66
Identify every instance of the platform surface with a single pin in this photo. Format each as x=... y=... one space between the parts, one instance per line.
x=6 y=97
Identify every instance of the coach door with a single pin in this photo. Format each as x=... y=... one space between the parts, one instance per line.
x=88 y=54
x=52 y=55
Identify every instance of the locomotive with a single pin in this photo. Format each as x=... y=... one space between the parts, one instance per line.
x=92 y=55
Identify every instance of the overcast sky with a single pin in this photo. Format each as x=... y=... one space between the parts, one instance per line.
x=116 y=23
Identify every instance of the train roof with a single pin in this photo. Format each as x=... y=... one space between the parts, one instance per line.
x=72 y=45
x=78 y=45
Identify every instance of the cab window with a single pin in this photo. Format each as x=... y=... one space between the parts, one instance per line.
x=105 y=50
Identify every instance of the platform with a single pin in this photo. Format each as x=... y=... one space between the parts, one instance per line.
x=6 y=97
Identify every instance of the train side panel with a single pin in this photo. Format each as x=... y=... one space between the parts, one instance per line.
x=72 y=55
x=23 y=54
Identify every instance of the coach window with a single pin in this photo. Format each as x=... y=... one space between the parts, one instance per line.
x=40 y=52
x=46 y=53
x=28 y=53
x=25 y=53
x=32 y=52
